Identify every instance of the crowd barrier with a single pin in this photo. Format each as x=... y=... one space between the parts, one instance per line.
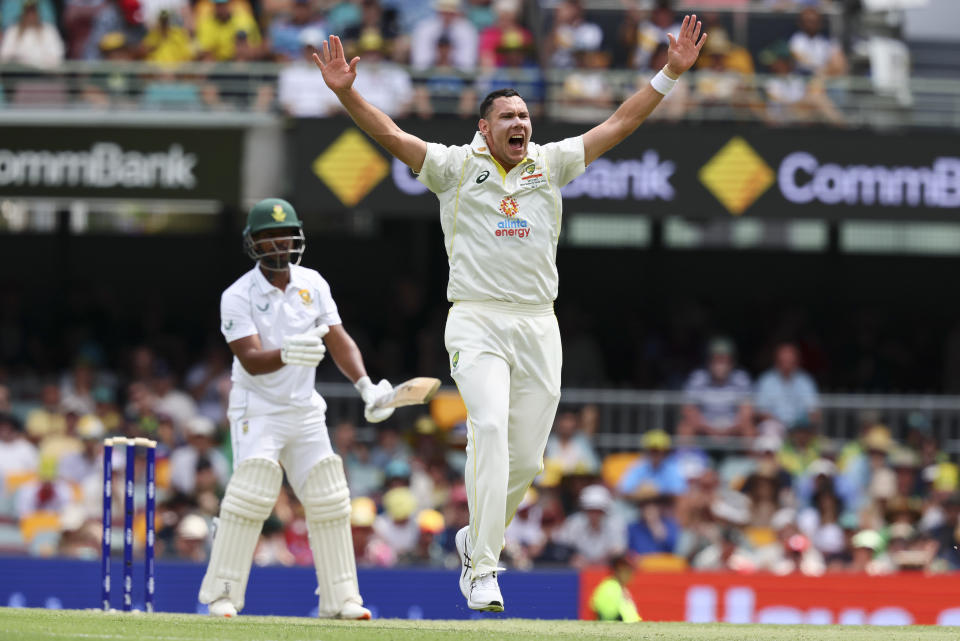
x=901 y=599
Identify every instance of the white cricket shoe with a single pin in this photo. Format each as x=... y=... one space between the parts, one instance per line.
x=222 y=607
x=353 y=611
x=466 y=565
x=485 y=593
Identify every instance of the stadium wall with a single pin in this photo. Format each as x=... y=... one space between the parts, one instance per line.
x=563 y=594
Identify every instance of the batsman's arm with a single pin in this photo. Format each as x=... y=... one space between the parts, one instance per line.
x=339 y=77
x=256 y=360
x=683 y=52
x=345 y=353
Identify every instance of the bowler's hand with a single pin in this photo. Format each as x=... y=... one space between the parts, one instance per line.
x=338 y=75
x=685 y=48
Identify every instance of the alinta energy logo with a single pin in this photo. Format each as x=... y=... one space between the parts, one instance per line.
x=351 y=167
x=737 y=176
x=511 y=225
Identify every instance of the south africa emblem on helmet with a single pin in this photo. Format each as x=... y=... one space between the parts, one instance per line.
x=278 y=214
x=509 y=206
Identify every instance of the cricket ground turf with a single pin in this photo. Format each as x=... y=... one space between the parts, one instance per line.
x=57 y=625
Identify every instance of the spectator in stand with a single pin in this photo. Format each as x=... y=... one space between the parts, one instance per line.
x=507 y=28
x=791 y=97
x=18 y=456
x=217 y=32
x=815 y=53
x=568 y=451
x=657 y=467
x=718 y=396
x=445 y=91
x=113 y=17
x=786 y=392
x=47 y=493
x=369 y=549
x=390 y=447
x=169 y=399
x=208 y=382
x=595 y=533
x=48 y=418
x=524 y=537
x=398 y=525
x=821 y=524
x=300 y=91
x=78 y=20
x=572 y=33
x=11 y=10
x=520 y=71
x=167 y=43
x=723 y=70
x=480 y=13
x=652 y=33
x=342 y=15
x=427 y=552
x=285 y=33
x=200 y=432
x=384 y=24
x=587 y=93
x=190 y=540
x=800 y=449
x=656 y=531
x=179 y=12
x=54 y=447
x=447 y=21
x=947 y=534
x=384 y=84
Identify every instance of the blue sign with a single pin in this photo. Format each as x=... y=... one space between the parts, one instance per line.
x=400 y=593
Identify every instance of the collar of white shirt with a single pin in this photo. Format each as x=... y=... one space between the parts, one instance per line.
x=265 y=287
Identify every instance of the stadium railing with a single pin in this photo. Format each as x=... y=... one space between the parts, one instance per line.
x=624 y=415
x=251 y=88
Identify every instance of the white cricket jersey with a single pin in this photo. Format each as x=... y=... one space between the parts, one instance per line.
x=251 y=306
x=501 y=230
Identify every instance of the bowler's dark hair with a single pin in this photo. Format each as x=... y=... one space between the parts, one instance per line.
x=493 y=95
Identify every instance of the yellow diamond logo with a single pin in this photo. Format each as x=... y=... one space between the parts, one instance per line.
x=736 y=176
x=351 y=167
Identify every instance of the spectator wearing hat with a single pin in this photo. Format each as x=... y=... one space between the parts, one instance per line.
x=383 y=83
x=612 y=600
x=947 y=533
x=455 y=515
x=448 y=21
x=504 y=37
x=49 y=417
x=78 y=465
x=217 y=31
x=299 y=91
x=11 y=10
x=200 y=433
x=596 y=534
x=384 y=23
x=821 y=523
x=519 y=71
x=643 y=35
x=190 y=539
x=398 y=525
x=656 y=531
x=657 y=467
x=167 y=43
x=524 y=536
x=731 y=552
x=18 y=456
x=284 y=36
x=791 y=551
x=718 y=396
x=572 y=33
x=868 y=472
x=369 y=549
x=786 y=392
x=587 y=93
x=869 y=556
x=792 y=97
x=428 y=552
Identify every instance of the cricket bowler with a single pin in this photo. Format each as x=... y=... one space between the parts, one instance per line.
x=500 y=210
x=275 y=319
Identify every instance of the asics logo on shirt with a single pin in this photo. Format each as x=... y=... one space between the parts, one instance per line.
x=483 y=176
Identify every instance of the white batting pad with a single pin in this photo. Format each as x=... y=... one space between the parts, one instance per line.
x=250 y=497
x=326 y=501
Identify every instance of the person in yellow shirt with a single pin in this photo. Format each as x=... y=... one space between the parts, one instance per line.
x=167 y=43
x=612 y=601
x=217 y=33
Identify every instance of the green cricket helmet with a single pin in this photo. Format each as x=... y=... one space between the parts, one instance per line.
x=276 y=251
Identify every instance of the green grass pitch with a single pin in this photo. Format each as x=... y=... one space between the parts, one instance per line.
x=58 y=625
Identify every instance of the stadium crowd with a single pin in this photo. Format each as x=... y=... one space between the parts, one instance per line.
x=422 y=57
x=777 y=498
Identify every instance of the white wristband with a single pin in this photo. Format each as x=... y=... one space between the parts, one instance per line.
x=662 y=83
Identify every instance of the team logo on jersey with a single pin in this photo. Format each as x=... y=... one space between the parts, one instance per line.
x=530 y=169
x=245 y=427
x=228 y=325
x=483 y=176
x=278 y=214
x=305 y=296
x=264 y=308
x=532 y=176
x=511 y=225
x=456 y=359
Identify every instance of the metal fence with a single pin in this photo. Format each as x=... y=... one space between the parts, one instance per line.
x=624 y=415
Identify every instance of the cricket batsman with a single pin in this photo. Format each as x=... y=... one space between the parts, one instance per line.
x=275 y=319
x=500 y=211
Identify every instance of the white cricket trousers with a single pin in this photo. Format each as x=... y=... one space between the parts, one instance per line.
x=505 y=359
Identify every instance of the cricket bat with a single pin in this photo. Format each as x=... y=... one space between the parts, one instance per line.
x=413 y=392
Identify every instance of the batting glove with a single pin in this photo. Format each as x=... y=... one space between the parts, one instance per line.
x=305 y=349
x=370 y=393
